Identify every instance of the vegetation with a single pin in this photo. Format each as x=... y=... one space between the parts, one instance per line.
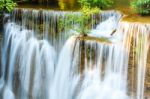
x=141 y=6
x=96 y=3
x=7 y=5
x=81 y=21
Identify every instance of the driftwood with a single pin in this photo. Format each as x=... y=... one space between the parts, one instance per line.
x=113 y=32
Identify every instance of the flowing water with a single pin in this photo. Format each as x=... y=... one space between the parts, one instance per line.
x=39 y=61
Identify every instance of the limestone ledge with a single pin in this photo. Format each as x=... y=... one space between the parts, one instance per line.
x=96 y=39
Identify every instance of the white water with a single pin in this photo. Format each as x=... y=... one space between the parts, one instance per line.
x=105 y=28
x=106 y=77
x=65 y=73
x=140 y=34
x=36 y=66
x=33 y=59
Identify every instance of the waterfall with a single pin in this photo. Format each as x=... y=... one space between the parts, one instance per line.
x=137 y=37
x=40 y=61
x=44 y=24
x=31 y=64
x=69 y=79
x=105 y=74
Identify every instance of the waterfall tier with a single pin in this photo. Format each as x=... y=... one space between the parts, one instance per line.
x=40 y=61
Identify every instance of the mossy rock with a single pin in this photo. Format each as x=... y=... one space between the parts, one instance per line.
x=89 y=38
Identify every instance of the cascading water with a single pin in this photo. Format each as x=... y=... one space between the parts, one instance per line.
x=104 y=75
x=31 y=64
x=139 y=34
x=38 y=62
x=44 y=24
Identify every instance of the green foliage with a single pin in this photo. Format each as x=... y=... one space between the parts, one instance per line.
x=81 y=22
x=96 y=3
x=141 y=6
x=7 y=5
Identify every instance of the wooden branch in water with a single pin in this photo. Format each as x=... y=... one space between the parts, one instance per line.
x=113 y=32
